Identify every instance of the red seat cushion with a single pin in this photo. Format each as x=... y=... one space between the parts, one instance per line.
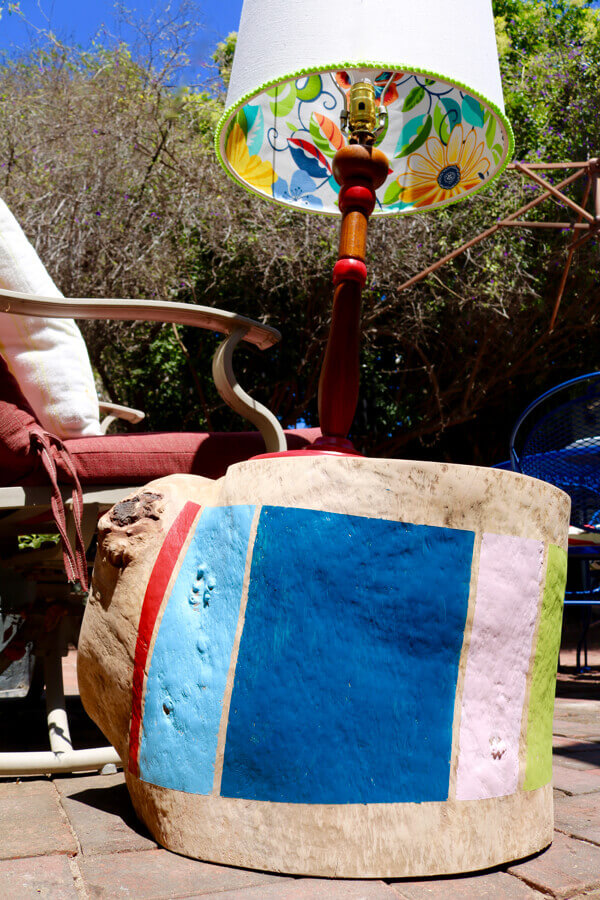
x=138 y=458
x=119 y=458
x=17 y=422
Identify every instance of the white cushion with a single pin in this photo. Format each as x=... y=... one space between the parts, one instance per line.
x=47 y=356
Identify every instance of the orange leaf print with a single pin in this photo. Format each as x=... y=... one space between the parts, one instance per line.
x=330 y=130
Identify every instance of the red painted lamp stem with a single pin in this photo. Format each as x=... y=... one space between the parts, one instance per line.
x=360 y=170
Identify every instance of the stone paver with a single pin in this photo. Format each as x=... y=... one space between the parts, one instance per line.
x=311 y=889
x=578 y=754
x=566 y=868
x=489 y=886
x=44 y=876
x=575 y=781
x=69 y=668
x=100 y=812
x=571 y=728
x=32 y=822
x=568 y=745
x=158 y=874
x=579 y=816
x=577 y=718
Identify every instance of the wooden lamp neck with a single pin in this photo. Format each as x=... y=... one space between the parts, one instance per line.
x=360 y=170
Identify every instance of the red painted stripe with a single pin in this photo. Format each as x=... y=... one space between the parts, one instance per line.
x=155 y=591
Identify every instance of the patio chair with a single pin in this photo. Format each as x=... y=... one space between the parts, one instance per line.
x=59 y=485
x=557 y=439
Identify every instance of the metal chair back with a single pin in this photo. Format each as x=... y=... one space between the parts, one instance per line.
x=557 y=439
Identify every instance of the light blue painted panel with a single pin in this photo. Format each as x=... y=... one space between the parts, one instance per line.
x=346 y=675
x=192 y=652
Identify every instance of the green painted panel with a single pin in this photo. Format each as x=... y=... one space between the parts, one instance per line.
x=538 y=770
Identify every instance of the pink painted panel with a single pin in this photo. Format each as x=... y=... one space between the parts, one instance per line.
x=508 y=592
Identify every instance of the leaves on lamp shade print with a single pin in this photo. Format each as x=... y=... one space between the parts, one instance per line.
x=473 y=111
x=413 y=135
x=309 y=158
x=447 y=115
x=497 y=151
x=326 y=135
x=441 y=142
x=309 y=88
x=284 y=99
x=252 y=122
x=391 y=90
x=392 y=193
x=490 y=131
x=414 y=98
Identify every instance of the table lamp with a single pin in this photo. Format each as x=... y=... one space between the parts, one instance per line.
x=352 y=109
x=346 y=664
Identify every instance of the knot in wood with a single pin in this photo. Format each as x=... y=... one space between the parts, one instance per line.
x=135 y=508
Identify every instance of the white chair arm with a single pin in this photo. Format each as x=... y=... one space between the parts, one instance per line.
x=238 y=328
x=113 y=411
x=237 y=398
x=220 y=320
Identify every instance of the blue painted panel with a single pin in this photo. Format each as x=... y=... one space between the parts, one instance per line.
x=346 y=676
x=192 y=652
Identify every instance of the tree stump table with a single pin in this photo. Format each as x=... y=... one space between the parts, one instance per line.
x=333 y=666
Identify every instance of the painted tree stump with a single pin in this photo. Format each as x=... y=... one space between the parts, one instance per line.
x=333 y=666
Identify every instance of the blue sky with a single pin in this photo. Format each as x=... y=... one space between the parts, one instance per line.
x=79 y=20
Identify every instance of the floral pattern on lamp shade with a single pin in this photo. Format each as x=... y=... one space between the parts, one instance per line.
x=443 y=144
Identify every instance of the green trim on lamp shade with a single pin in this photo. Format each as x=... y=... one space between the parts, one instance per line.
x=229 y=115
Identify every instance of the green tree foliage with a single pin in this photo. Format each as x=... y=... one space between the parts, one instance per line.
x=113 y=175
x=223 y=57
x=550 y=58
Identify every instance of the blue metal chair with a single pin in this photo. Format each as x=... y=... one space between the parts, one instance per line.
x=557 y=439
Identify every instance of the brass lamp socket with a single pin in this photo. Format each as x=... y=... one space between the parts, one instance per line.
x=362 y=113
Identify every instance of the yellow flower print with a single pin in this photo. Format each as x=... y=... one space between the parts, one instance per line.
x=444 y=172
x=252 y=169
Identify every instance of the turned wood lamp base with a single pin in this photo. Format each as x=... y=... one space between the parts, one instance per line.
x=360 y=169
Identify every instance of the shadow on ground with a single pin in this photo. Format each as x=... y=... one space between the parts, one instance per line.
x=112 y=799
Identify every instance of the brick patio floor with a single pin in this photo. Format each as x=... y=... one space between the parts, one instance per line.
x=76 y=836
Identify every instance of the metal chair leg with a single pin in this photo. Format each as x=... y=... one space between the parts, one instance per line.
x=586 y=618
x=61 y=757
x=56 y=713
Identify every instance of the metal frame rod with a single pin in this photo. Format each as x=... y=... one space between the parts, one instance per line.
x=56 y=713
x=561 y=165
x=565 y=274
x=577 y=226
x=521 y=167
x=45 y=762
x=487 y=233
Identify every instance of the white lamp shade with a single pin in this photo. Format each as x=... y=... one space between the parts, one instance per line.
x=446 y=137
